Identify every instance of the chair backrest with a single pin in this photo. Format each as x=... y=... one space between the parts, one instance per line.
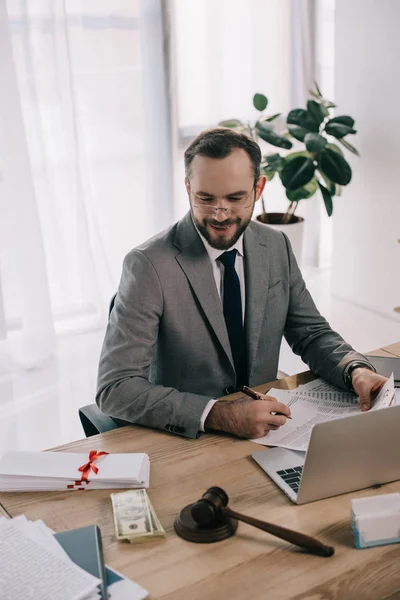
x=112 y=302
x=92 y=419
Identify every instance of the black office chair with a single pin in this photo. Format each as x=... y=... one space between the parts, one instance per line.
x=92 y=419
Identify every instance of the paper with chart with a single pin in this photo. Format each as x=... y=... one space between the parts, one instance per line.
x=313 y=403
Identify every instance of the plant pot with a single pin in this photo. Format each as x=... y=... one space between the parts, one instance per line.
x=294 y=229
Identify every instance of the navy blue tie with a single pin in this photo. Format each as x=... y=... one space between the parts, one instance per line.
x=234 y=316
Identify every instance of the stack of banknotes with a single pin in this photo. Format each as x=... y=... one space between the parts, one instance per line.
x=134 y=517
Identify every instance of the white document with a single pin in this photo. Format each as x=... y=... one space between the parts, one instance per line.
x=315 y=404
x=28 y=570
x=30 y=471
x=38 y=538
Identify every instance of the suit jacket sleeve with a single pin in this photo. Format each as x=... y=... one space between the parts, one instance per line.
x=124 y=389
x=310 y=335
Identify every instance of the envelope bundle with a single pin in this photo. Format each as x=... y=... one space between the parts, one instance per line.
x=46 y=471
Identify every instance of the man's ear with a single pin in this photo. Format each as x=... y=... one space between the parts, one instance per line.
x=262 y=180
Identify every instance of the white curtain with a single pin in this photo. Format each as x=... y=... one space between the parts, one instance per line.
x=83 y=129
x=225 y=52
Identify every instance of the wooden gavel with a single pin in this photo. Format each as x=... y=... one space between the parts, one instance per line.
x=214 y=504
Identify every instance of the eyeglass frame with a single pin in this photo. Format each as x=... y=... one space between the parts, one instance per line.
x=226 y=209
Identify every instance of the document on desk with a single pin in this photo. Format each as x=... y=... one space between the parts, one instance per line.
x=33 y=564
x=29 y=569
x=313 y=403
x=40 y=471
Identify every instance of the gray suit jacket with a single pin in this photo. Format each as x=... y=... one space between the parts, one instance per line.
x=166 y=351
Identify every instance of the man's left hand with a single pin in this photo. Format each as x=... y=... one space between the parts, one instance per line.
x=366 y=385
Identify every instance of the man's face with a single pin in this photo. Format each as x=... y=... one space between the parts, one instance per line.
x=224 y=183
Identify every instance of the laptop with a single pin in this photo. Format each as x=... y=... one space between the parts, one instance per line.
x=344 y=455
x=386 y=365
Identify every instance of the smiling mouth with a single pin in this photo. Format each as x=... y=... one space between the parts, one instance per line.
x=220 y=227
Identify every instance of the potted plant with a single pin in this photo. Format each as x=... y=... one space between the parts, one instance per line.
x=316 y=162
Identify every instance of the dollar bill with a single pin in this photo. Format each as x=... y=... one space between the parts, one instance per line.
x=158 y=529
x=134 y=516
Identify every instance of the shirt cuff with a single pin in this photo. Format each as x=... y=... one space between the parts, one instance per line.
x=204 y=416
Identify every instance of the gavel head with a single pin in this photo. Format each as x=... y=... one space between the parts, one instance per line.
x=209 y=508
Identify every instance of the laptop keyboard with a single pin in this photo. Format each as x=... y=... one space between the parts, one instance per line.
x=292 y=477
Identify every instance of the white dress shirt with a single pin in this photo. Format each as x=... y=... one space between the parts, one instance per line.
x=218 y=271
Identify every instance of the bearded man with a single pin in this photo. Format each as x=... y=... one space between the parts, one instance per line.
x=202 y=307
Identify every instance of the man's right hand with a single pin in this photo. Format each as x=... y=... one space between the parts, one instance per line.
x=247 y=418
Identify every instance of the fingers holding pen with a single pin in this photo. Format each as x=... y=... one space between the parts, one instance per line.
x=279 y=407
x=247 y=418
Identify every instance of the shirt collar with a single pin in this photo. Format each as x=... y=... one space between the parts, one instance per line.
x=214 y=253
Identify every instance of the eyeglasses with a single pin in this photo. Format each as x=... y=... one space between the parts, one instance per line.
x=236 y=203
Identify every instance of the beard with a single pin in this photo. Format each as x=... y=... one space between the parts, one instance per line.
x=222 y=242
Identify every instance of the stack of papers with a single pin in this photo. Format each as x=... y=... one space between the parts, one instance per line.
x=34 y=565
x=45 y=471
x=316 y=402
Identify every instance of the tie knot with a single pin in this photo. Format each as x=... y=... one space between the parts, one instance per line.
x=228 y=258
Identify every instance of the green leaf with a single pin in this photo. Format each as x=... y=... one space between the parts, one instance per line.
x=338 y=130
x=315 y=95
x=317 y=88
x=268 y=135
x=273 y=161
x=325 y=111
x=297 y=172
x=315 y=111
x=349 y=146
x=301 y=117
x=269 y=173
x=343 y=120
x=231 y=123
x=329 y=184
x=335 y=166
x=304 y=192
x=335 y=148
x=323 y=101
x=272 y=118
x=297 y=132
x=260 y=102
x=296 y=116
x=327 y=199
x=315 y=142
x=293 y=155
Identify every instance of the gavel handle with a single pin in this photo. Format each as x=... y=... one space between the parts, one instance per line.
x=299 y=539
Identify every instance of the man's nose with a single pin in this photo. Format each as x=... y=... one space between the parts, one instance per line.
x=221 y=205
x=220 y=214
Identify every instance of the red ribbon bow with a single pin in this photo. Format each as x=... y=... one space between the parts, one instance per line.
x=93 y=455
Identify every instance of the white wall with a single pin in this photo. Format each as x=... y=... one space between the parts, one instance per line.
x=366 y=231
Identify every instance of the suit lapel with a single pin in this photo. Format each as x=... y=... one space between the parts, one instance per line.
x=197 y=267
x=257 y=267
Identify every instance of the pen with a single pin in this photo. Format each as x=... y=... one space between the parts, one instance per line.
x=256 y=396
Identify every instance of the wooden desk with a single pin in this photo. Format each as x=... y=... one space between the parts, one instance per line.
x=250 y=565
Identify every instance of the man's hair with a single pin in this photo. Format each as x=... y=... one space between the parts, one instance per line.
x=219 y=143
